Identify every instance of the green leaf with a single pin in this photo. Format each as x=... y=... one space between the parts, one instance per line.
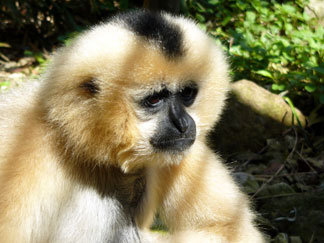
x=310 y=88
x=226 y=20
x=202 y=26
x=278 y=87
x=319 y=69
x=213 y=2
x=250 y=17
x=201 y=8
x=5 y=83
x=288 y=27
x=241 y=5
x=293 y=110
x=264 y=73
x=28 y=53
x=236 y=50
x=39 y=58
x=289 y=9
x=200 y=17
x=306 y=16
x=3 y=44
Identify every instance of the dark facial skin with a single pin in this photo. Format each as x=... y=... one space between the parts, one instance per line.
x=177 y=130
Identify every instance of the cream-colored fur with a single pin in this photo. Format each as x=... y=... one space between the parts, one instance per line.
x=53 y=131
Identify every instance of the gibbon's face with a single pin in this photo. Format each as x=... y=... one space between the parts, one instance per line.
x=139 y=90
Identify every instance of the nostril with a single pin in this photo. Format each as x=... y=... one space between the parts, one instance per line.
x=182 y=125
x=179 y=117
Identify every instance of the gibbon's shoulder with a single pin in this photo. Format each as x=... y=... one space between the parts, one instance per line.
x=15 y=104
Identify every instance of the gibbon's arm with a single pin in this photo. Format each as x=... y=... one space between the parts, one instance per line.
x=201 y=203
x=31 y=186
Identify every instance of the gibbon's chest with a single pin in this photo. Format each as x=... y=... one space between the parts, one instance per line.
x=100 y=211
x=89 y=217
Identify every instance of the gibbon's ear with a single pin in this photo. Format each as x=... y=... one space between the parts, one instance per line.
x=90 y=86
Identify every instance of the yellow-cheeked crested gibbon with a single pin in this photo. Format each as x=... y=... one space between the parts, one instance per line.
x=114 y=133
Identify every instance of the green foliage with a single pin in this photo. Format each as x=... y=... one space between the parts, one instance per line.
x=4 y=85
x=68 y=38
x=43 y=19
x=271 y=42
x=40 y=58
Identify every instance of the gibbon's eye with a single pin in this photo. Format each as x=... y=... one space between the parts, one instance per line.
x=90 y=86
x=188 y=95
x=155 y=100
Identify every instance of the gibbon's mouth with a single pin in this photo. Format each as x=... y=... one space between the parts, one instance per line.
x=173 y=145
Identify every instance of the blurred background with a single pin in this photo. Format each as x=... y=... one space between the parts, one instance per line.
x=272 y=131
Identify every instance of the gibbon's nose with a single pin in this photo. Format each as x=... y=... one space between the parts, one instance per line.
x=179 y=117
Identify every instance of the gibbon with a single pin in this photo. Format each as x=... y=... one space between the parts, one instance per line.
x=114 y=133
